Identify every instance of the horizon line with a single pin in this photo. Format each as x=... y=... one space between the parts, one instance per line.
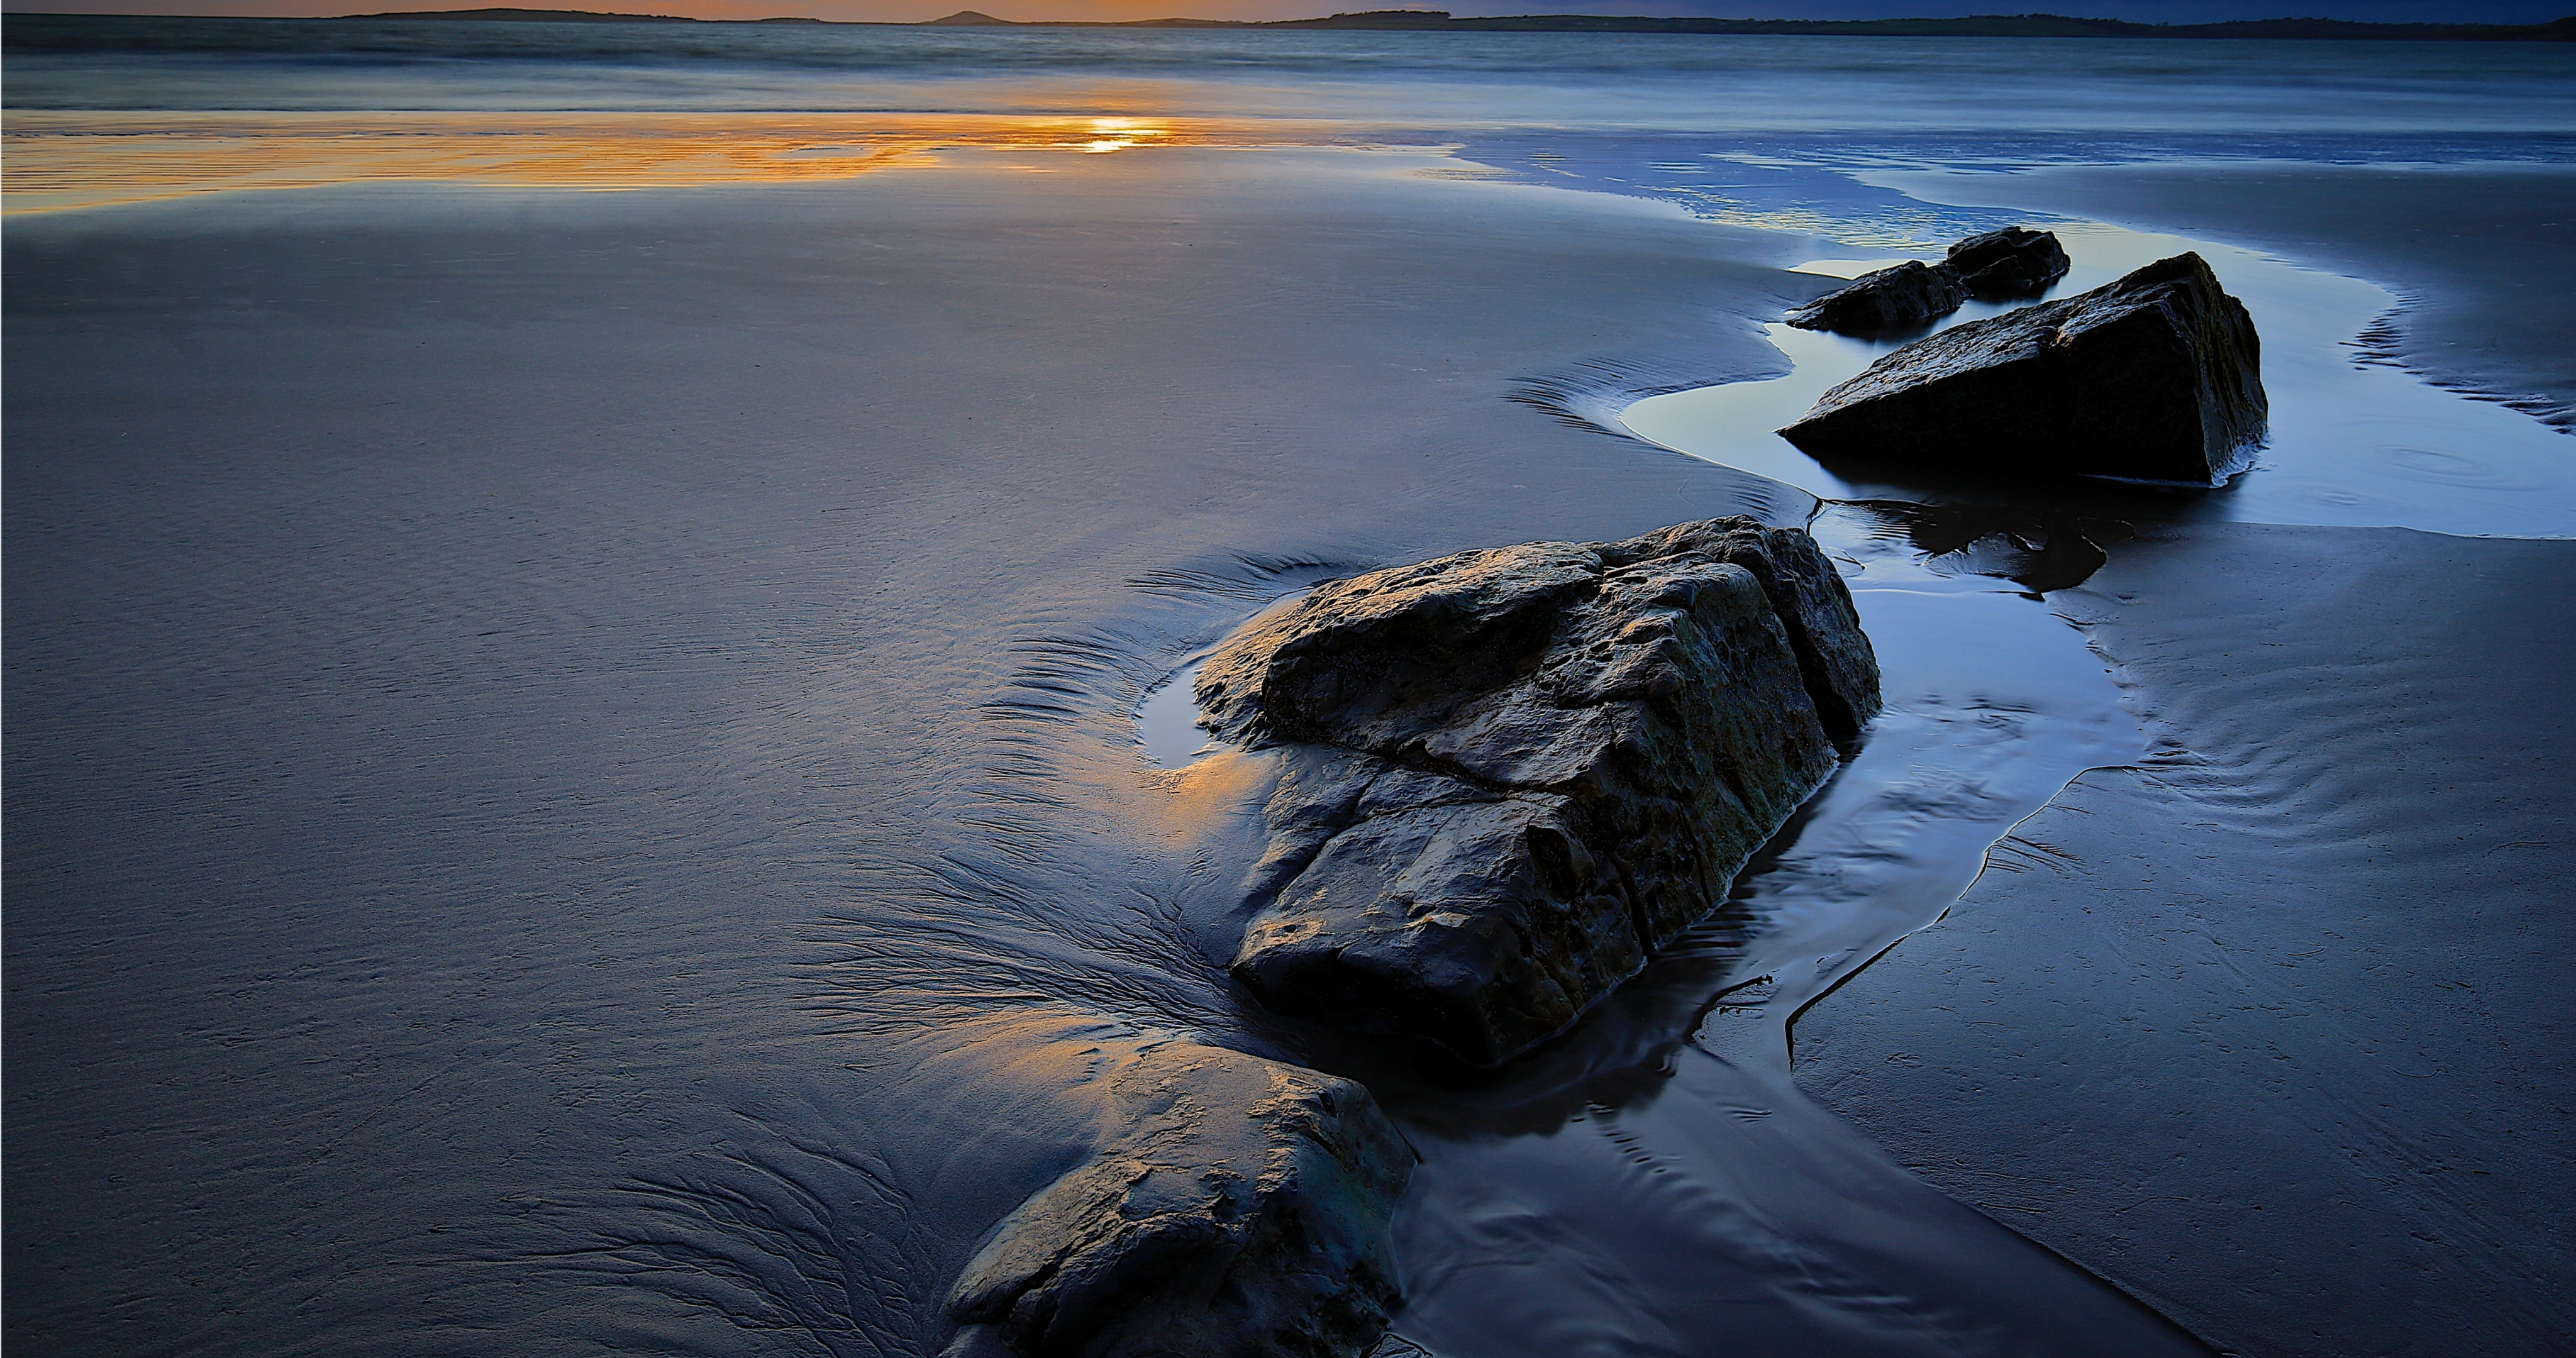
x=2025 y=24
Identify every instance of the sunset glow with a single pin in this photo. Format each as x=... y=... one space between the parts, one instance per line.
x=69 y=159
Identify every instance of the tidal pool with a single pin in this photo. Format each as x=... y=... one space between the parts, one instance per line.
x=2355 y=442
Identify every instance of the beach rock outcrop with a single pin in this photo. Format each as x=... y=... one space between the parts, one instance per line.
x=2013 y=262
x=1519 y=771
x=2156 y=377
x=1241 y=1213
x=1910 y=294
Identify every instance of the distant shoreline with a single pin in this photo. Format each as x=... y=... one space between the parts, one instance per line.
x=1437 y=21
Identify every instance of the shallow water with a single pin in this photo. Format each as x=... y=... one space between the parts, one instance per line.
x=1653 y=1177
x=2353 y=442
x=1762 y=131
x=1589 y=82
x=1167 y=722
x=1652 y=1173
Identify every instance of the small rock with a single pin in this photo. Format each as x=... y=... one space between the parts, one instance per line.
x=1899 y=298
x=2156 y=377
x=1241 y=1214
x=1520 y=771
x=2013 y=262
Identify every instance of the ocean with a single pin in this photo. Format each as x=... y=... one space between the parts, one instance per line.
x=1681 y=116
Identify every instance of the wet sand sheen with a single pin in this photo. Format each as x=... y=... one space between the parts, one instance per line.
x=692 y=1003
x=2352 y=443
x=628 y=737
x=62 y=160
x=1652 y=1174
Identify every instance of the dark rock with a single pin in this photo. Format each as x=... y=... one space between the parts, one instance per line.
x=1900 y=298
x=2013 y=262
x=1807 y=593
x=1527 y=768
x=1241 y=1214
x=2156 y=377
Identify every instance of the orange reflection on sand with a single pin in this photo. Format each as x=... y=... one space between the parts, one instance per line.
x=62 y=160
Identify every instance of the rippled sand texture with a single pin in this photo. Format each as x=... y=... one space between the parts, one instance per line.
x=557 y=738
x=2326 y=895
x=573 y=771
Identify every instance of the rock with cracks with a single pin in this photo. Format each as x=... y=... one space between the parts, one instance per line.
x=1910 y=294
x=2013 y=262
x=1515 y=773
x=2156 y=377
x=1241 y=1213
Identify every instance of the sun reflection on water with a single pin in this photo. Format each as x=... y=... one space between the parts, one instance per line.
x=58 y=160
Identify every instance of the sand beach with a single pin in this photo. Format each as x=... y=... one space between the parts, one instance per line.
x=574 y=770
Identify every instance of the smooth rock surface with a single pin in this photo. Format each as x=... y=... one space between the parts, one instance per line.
x=2155 y=377
x=1521 y=770
x=2013 y=262
x=1908 y=294
x=1241 y=1213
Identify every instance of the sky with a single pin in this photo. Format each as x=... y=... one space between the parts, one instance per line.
x=2143 y=11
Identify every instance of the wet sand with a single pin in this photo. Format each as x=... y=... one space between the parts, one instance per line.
x=574 y=775
x=2267 y=1029
x=571 y=755
x=2271 y=1027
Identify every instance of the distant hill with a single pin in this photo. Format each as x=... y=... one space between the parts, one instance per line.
x=1983 y=26
x=1440 y=21
x=529 y=16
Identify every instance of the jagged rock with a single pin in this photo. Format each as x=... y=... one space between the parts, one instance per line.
x=2156 y=377
x=2013 y=262
x=1241 y=1214
x=1907 y=295
x=1522 y=770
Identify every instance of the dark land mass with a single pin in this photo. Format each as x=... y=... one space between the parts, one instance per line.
x=1440 y=21
x=542 y=16
x=1977 y=26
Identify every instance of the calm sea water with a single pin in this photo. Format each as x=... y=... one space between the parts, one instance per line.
x=2464 y=98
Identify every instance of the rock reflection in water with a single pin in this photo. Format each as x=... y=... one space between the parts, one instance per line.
x=2352 y=441
x=1651 y=1178
x=2040 y=549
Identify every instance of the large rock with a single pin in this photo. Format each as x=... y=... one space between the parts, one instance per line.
x=1522 y=770
x=1910 y=294
x=2156 y=377
x=2013 y=262
x=1241 y=1213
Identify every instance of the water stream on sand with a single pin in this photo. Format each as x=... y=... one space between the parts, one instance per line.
x=1653 y=1177
x=2355 y=442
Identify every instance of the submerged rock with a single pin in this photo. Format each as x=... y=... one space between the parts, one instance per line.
x=1242 y=1213
x=2013 y=262
x=1910 y=294
x=1522 y=770
x=2156 y=377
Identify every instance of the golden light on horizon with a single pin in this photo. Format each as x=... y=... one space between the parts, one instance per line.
x=63 y=160
x=1117 y=134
